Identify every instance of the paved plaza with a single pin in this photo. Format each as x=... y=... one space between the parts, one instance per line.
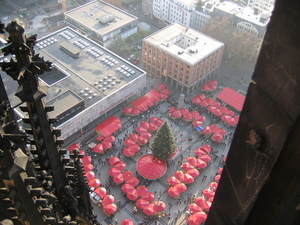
x=187 y=140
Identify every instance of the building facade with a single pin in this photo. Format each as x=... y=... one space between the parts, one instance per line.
x=170 y=11
x=261 y=5
x=147 y=7
x=243 y=18
x=182 y=56
x=85 y=82
x=101 y=21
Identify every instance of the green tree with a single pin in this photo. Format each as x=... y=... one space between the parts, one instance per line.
x=164 y=143
x=119 y=46
x=137 y=37
x=238 y=44
x=199 y=5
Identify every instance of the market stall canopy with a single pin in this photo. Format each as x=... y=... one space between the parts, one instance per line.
x=173 y=192
x=108 y=199
x=110 y=209
x=101 y=191
x=109 y=126
x=88 y=167
x=157 y=121
x=149 y=196
x=74 y=146
x=142 y=190
x=86 y=159
x=113 y=160
x=127 y=222
x=162 y=87
x=127 y=175
x=133 y=137
x=142 y=203
x=159 y=206
x=133 y=181
x=127 y=188
x=94 y=183
x=118 y=179
x=193 y=172
x=149 y=210
x=151 y=167
x=98 y=148
x=194 y=208
x=232 y=98
x=173 y=181
x=120 y=165
x=132 y=195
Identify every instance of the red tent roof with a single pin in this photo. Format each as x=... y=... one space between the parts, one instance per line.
x=232 y=98
x=151 y=167
x=144 y=100
x=109 y=126
x=142 y=203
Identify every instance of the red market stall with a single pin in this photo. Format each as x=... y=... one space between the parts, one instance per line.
x=151 y=167
x=110 y=208
x=181 y=187
x=159 y=206
x=188 y=179
x=148 y=196
x=98 y=148
x=129 y=142
x=173 y=181
x=179 y=175
x=90 y=175
x=142 y=203
x=173 y=192
x=202 y=203
x=193 y=172
x=133 y=181
x=155 y=120
x=232 y=98
x=101 y=191
x=118 y=179
x=132 y=195
x=127 y=175
x=133 y=137
x=194 y=208
x=149 y=210
x=120 y=165
x=109 y=126
x=127 y=188
x=187 y=166
x=74 y=146
x=88 y=167
x=94 y=183
x=86 y=159
x=108 y=199
x=113 y=160
x=127 y=222
x=141 y=190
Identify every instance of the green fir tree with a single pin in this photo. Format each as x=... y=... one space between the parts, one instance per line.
x=163 y=143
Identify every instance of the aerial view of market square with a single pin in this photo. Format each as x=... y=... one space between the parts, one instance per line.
x=150 y=120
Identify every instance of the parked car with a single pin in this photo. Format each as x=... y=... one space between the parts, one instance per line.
x=137 y=61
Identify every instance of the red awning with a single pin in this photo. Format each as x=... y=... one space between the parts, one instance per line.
x=109 y=126
x=232 y=97
x=151 y=167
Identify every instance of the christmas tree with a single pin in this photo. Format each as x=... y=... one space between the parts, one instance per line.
x=164 y=143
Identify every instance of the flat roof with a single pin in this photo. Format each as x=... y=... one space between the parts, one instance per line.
x=95 y=74
x=244 y=13
x=92 y=13
x=168 y=37
x=63 y=102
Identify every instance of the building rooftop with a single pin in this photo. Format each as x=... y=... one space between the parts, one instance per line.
x=93 y=74
x=100 y=16
x=244 y=13
x=171 y=39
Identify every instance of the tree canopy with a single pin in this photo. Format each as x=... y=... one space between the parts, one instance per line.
x=238 y=43
x=199 y=5
x=119 y=46
x=164 y=143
